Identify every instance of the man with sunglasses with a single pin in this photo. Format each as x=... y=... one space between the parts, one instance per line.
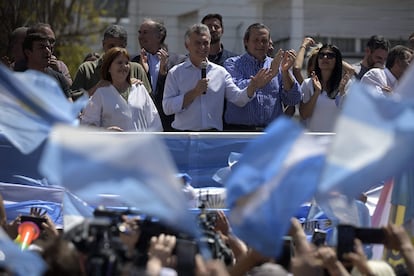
x=54 y=63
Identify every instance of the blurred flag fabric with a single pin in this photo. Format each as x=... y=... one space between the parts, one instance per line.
x=137 y=168
x=30 y=103
x=372 y=144
x=19 y=199
x=18 y=262
x=402 y=211
x=276 y=174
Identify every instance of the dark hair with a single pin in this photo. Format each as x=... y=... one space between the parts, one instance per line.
x=38 y=27
x=108 y=58
x=397 y=53
x=256 y=26
x=116 y=31
x=378 y=42
x=213 y=16
x=336 y=76
x=30 y=38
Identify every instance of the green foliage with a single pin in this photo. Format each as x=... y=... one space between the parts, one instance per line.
x=76 y=23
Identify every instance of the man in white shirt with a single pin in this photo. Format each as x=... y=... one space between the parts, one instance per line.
x=385 y=80
x=198 y=102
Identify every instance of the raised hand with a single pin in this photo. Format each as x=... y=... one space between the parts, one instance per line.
x=143 y=60
x=288 y=60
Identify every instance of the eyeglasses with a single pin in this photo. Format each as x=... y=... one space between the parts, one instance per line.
x=52 y=41
x=328 y=55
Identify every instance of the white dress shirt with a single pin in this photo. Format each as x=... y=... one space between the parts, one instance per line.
x=206 y=111
x=380 y=78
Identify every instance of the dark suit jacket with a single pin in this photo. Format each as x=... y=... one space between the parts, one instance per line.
x=158 y=93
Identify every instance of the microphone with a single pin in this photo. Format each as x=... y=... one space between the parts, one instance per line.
x=203 y=67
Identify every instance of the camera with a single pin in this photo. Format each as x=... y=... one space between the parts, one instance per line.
x=347 y=234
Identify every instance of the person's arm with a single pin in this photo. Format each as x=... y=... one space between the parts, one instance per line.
x=397 y=238
x=300 y=57
x=287 y=62
x=358 y=259
x=306 y=108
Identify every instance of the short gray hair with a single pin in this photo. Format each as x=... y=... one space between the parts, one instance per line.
x=197 y=28
x=116 y=31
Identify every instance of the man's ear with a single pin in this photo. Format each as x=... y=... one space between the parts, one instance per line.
x=185 y=44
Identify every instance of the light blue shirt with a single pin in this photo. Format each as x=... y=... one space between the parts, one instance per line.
x=267 y=104
x=154 y=69
x=206 y=111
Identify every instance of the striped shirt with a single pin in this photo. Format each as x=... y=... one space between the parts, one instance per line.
x=267 y=105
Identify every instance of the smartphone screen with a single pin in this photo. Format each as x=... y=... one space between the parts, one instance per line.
x=318 y=237
x=185 y=251
x=345 y=244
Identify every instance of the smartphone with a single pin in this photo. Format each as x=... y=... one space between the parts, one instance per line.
x=370 y=235
x=318 y=237
x=37 y=220
x=185 y=250
x=345 y=244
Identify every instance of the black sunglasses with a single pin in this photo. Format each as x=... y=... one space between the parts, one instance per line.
x=327 y=55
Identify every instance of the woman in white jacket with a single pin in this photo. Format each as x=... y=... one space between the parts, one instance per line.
x=323 y=92
x=120 y=106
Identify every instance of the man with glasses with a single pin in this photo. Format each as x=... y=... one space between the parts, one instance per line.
x=55 y=64
x=38 y=53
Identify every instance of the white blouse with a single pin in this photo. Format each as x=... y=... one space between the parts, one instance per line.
x=107 y=108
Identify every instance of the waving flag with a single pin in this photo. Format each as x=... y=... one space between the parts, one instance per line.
x=276 y=174
x=373 y=142
x=30 y=103
x=135 y=168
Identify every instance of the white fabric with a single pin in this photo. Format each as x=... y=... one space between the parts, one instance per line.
x=380 y=78
x=325 y=112
x=206 y=111
x=108 y=108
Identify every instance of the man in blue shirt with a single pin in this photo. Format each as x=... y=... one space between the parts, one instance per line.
x=282 y=88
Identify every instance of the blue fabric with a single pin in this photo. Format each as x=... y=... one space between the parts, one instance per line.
x=30 y=103
x=372 y=144
x=267 y=186
x=20 y=263
x=403 y=193
x=89 y=164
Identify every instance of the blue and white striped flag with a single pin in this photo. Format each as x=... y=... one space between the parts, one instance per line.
x=136 y=168
x=374 y=137
x=276 y=174
x=30 y=103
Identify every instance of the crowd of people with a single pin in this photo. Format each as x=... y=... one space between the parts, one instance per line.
x=209 y=88
x=190 y=100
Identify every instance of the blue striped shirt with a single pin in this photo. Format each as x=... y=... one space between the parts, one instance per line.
x=267 y=105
